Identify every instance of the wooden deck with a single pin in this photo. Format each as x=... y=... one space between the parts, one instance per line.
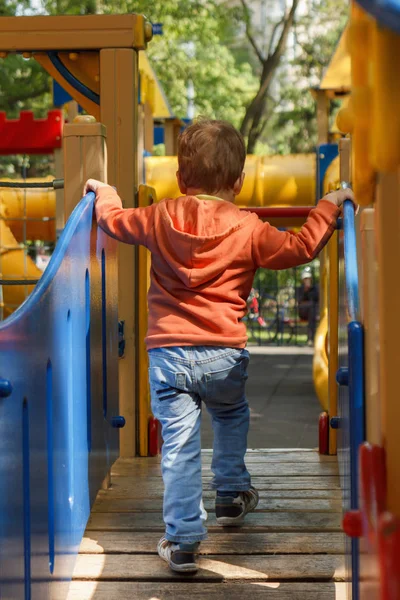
x=291 y=548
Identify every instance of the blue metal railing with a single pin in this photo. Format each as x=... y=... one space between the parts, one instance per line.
x=350 y=262
x=350 y=376
x=56 y=446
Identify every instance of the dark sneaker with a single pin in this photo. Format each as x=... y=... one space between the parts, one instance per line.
x=230 y=511
x=180 y=557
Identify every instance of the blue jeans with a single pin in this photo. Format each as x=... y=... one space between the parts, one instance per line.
x=180 y=379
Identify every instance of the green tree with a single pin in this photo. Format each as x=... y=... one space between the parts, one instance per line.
x=275 y=39
x=192 y=49
x=290 y=113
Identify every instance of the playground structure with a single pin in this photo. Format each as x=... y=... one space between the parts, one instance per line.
x=75 y=304
x=25 y=214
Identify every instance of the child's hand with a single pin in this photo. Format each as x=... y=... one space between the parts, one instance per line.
x=92 y=185
x=340 y=196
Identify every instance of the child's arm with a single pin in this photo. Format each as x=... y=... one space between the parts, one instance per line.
x=129 y=225
x=274 y=249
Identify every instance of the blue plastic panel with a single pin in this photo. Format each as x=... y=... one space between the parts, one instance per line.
x=386 y=12
x=351 y=391
x=325 y=154
x=56 y=440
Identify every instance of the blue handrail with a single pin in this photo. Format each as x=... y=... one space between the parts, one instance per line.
x=350 y=260
x=351 y=376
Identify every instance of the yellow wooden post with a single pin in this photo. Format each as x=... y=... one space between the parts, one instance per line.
x=171 y=133
x=146 y=197
x=84 y=157
x=371 y=327
x=388 y=252
x=118 y=110
x=322 y=116
x=59 y=173
x=333 y=335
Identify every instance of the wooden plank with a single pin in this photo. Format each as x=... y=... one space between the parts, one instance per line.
x=107 y=503
x=269 y=450
x=267 y=521
x=129 y=468
x=250 y=458
x=199 y=591
x=150 y=486
x=120 y=542
x=219 y=568
x=132 y=491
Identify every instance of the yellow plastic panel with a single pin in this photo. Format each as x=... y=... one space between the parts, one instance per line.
x=270 y=180
x=386 y=99
x=338 y=74
x=14 y=265
x=160 y=106
x=40 y=204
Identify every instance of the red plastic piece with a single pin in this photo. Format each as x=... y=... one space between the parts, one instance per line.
x=389 y=556
x=373 y=486
x=296 y=212
x=352 y=523
x=323 y=429
x=154 y=437
x=28 y=135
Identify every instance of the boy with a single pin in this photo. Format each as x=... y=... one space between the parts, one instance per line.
x=205 y=253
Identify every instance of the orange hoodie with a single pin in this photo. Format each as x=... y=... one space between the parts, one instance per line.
x=204 y=255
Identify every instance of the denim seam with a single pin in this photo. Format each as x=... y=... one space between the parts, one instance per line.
x=186 y=538
x=186 y=361
x=231 y=488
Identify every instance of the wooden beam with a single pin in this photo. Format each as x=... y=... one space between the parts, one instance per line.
x=388 y=252
x=118 y=111
x=27 y=34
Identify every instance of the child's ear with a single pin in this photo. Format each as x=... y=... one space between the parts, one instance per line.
x=181 y=184
x=237 y=187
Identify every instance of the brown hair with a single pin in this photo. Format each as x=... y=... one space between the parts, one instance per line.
x=211 y=155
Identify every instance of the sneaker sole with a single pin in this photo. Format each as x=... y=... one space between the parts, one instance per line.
x=188 y=568
x=236 y=521
x=231 y=521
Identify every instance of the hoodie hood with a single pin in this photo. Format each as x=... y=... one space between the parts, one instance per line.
x=201 y=238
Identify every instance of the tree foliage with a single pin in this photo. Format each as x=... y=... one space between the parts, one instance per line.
x=192 y=48
x=290 y=113
x=237 y=75
x=256 y=116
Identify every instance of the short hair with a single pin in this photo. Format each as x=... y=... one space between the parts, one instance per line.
x=211 y=155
